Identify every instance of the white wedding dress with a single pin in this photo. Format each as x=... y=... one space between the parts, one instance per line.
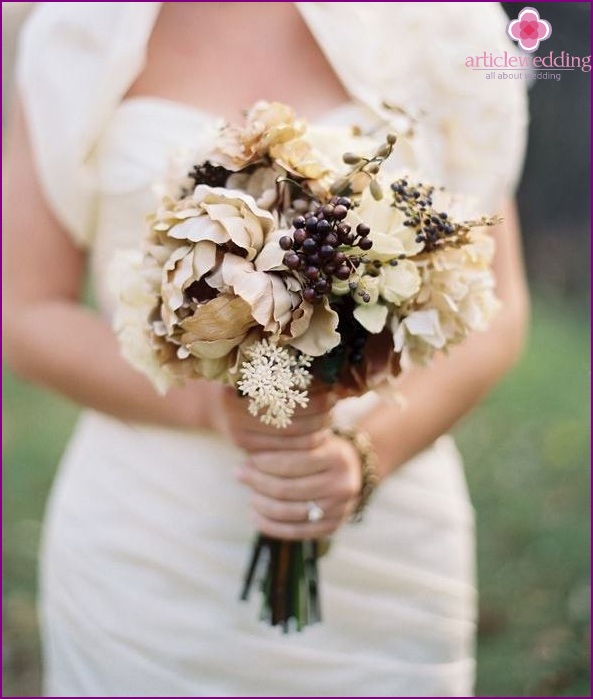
x=147 y=535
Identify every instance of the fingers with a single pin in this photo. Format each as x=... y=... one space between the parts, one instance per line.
x=279 y=509
x=292 y=512
x=308 y=429
x=280 y=504
x=293 y=531
x=281 y=488
x=300 y=424
x=332 y=470
x=293 y=464
x=283 y=483
x=256 y=441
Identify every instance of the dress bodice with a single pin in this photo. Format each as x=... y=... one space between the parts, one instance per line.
x=131 y=157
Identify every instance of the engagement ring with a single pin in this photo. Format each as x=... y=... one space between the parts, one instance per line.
x=314 y=512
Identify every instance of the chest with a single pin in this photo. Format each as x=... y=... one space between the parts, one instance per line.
x=224 y=60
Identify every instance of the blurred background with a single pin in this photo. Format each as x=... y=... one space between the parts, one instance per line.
x=526 y=447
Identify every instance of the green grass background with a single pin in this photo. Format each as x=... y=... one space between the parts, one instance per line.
x=527 y=458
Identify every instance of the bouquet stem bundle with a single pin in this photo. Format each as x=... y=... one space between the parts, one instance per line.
x=288 y=575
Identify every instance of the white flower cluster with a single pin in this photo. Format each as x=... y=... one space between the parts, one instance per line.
x=275 y=380
x=456 y=297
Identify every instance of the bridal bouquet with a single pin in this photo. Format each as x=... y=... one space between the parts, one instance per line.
x=279 y=258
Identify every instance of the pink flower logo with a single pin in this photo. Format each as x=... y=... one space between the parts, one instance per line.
x=528 y=30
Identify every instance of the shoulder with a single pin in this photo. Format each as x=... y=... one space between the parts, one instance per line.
x=427 y=44
x=74 y=63
x=414 y=54
x=81 y=37
x=481 y=122
x=67 y=25
x=63 y=48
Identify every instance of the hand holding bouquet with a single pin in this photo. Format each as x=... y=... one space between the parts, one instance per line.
x=271 y=264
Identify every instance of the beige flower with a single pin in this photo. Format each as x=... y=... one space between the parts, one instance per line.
x=142 y=339
x=400 y=283
x=300 y=159
x=137 y=298
x=456 y=296
x=223 y=223
x=313 y=329
x=224 y=217
x=259 y=184
x=269 y=300
x=390 y=237
x=271 y=256
x=376 y=293
x=419 y=334
x=217 y=327
x=372 y=316
x=331 y=142
x=267 y=124
x=215 y=260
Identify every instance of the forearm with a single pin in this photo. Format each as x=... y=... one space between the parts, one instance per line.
x=437 y=396
x=69 y=349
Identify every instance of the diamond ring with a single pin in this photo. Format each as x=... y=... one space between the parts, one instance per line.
x=314 y=512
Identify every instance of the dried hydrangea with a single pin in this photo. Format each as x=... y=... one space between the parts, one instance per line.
x=275 y=380
x=456 y=297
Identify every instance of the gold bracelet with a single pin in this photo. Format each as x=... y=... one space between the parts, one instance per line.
x=368 y=466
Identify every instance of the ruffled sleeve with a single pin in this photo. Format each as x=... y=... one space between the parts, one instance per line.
x=483 y=121
x=477 y=126
x=75 y=62
x=470 y=132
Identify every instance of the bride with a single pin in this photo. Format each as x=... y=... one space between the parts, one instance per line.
x=156 y=501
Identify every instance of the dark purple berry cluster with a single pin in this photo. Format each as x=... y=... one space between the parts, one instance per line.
x=316 y=248
x=415 y=200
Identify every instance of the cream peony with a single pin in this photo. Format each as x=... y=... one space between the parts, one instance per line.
x=224 y=216
x=211 y=294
